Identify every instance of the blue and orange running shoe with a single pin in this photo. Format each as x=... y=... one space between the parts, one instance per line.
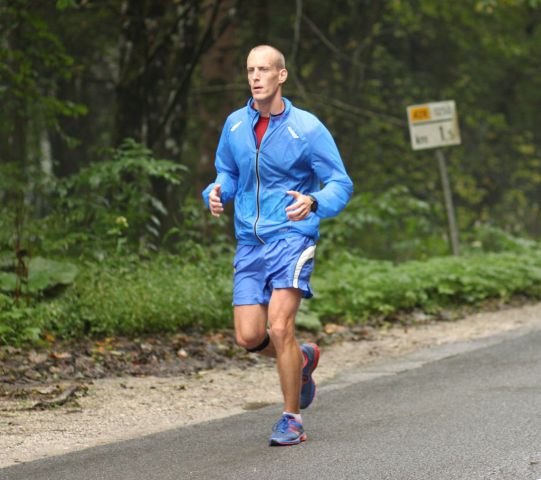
x=287 y=431
x=310 y=352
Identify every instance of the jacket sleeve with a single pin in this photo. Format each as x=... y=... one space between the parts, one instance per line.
x=328 y=166
x=226 y=169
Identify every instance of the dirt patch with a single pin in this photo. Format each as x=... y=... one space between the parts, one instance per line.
x=96 y=408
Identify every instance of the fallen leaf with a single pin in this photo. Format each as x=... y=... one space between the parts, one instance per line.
x=32 y=374
x=330 y=328
x=49 y=337
x=61 y=355
x=67 y=394
x=37 y=358
x=99 y=350
x=46 y=390
x=146 y=347
x=182 y=353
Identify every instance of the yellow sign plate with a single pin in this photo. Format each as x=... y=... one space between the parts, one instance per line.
x=420 y=114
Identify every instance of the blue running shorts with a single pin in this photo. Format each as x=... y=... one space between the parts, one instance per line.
x=285 y=263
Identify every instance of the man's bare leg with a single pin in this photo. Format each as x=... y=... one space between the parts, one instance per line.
x=251 y=327
x=250 y=331
x=282 y=310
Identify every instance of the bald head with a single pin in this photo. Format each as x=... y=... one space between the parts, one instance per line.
x=278 y=59
x=266 y=74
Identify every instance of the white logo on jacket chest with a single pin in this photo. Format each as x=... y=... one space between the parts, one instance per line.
x=292 y=132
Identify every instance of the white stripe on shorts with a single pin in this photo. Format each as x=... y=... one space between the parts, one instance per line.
x=305 y=256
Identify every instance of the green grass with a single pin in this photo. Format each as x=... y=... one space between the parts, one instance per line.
x=351 y=289
x=161 y=295
x=166 y=293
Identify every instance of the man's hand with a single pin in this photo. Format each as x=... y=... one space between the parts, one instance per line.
x=215 y=201
x=301 y=208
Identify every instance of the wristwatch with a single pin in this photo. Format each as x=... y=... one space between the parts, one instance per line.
x=313 y=207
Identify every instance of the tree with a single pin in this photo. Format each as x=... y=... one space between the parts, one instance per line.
x=32 y=61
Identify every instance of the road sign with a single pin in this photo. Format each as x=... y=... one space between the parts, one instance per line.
x=433 y=125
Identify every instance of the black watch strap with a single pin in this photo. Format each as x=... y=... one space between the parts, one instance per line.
x=313 y=207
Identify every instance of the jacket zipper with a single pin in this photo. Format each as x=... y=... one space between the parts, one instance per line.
x=257 y=193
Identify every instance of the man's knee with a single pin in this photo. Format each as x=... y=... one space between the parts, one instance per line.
x=282 y=331
x=253 y=344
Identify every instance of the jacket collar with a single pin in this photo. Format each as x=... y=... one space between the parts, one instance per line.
x=253 y=113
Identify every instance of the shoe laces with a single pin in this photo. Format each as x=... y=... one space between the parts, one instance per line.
x=282 y=425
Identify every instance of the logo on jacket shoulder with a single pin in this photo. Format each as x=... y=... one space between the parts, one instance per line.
x=234 y=127
x=292 y=132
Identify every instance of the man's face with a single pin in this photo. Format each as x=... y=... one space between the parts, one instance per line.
x=264 y=76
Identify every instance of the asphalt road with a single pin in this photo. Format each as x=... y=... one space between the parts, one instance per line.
x=467 y=411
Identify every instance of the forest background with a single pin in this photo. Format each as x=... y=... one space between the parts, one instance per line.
x=112 y=109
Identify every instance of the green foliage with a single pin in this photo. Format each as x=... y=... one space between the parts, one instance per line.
x=65 y=4
x=11 y=203
x=394 y=225
x=131 y=297
x=200 y=235
x=18 y=324
x=19 y=187
x=355 y=288
x=113 y=202
x=127 y=296
x=43 y=275
x=488 y=238
x=488 y=6
x=33 y=60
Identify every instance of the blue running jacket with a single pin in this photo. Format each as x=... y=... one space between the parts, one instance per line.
x=297 y=153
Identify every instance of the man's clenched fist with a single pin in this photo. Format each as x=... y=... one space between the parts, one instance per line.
x=215 y=200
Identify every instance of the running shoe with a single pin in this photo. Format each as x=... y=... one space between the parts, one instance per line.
x=287 y=431
x=310 y=352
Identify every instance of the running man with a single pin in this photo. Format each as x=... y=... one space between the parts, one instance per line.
x=271 y=159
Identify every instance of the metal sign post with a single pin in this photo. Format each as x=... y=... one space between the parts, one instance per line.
x=453 y=230
x=435 y=125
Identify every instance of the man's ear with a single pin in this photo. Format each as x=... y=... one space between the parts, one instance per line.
x=282 y=76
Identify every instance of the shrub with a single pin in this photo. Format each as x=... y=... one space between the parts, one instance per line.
x=18 y=322
x=394 y=225
x=489 y=238
x=112 y=202
x=354 y=289
x=132 y=297
x=125 y=295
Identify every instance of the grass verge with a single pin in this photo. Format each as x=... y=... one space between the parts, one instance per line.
x=166 y=294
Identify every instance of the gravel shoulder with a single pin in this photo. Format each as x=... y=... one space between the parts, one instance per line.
x=114 y=409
